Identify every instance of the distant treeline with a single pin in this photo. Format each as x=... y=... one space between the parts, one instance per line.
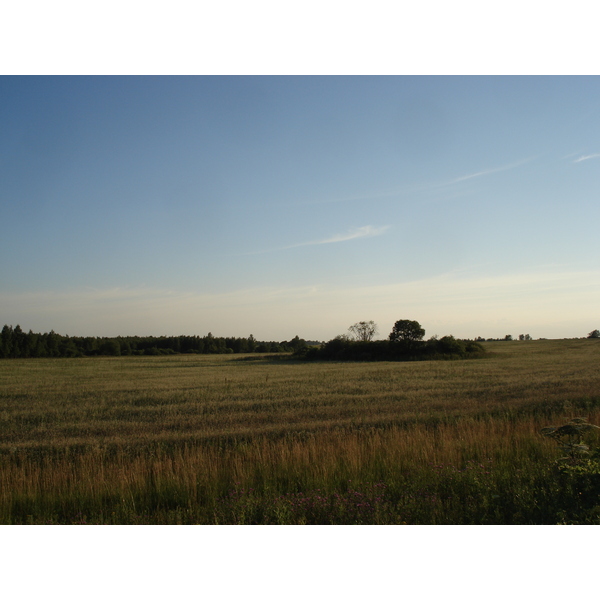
x=15 y=343
x=342 y=348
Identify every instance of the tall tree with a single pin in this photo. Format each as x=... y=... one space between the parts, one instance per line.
x=407 y=331
x=363 y=331
x=6 y=341
x=18 y=342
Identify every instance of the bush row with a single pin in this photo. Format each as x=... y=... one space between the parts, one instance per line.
x=340 y=348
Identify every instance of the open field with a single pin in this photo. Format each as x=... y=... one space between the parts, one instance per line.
x=252 y=439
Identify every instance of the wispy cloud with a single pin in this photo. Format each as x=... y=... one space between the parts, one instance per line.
x=586 y=157
x=408 y=191
x=460 y=303
x=491 y=171
x=353 y=234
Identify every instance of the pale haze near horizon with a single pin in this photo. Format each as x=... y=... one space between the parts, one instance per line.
x=283 y=206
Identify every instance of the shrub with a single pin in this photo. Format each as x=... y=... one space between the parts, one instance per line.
x=341 y=348
x=578 y=470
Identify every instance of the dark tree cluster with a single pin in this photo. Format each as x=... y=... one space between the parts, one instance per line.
x=507 y=338
x=15 y=343
x=405 y=342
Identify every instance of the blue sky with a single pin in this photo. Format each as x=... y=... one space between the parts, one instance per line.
x=284 y=206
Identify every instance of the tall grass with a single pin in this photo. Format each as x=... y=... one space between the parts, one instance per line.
x=218 y=440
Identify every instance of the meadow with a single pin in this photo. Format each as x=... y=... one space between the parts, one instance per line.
x=259 y=439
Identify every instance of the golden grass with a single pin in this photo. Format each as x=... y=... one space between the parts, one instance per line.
x=131 y=437
x=136 y=400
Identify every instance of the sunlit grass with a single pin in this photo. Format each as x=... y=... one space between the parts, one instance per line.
x=216 y=439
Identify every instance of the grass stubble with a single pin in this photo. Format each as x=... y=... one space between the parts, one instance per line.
x=196 y=439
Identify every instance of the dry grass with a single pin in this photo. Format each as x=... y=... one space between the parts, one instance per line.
x=166 y=439
x=99 y=401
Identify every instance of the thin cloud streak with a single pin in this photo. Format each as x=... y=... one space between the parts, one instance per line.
x=490 y=171
x=470 y=305
x=353 y=234
x=454 y=287
x=359 y=232
x=410 y=189
x=587 y=157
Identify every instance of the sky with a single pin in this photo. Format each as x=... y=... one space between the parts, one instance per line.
x=283 y=206
x=298 y=205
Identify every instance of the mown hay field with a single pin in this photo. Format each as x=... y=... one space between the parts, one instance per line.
x=257 y=439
